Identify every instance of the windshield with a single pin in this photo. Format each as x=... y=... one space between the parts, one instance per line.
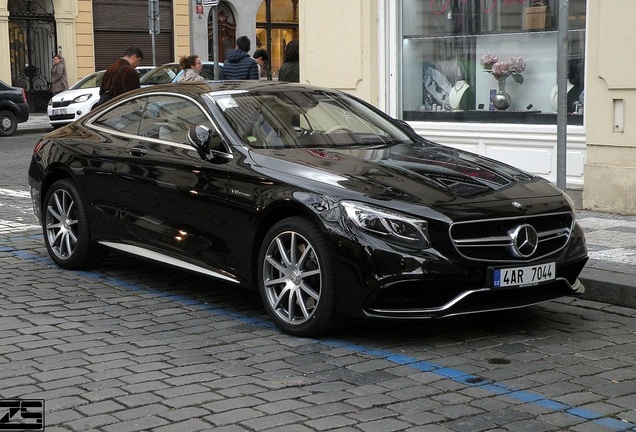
x=306 y=118
x=160 y=75
x=90 y=81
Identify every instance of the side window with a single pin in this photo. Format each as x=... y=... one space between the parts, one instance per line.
x=208 y=71
x=170 y=117
x=123 y=118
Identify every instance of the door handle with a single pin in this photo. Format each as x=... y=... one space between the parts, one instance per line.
x=138 y=151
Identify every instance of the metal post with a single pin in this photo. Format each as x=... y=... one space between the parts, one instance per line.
x=154 y=26
x=215 y=44
x=268 y=17
x=562 y=95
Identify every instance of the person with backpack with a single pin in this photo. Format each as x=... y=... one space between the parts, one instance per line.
x=121 y=76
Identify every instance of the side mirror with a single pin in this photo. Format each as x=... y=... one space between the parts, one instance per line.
x=207 y=143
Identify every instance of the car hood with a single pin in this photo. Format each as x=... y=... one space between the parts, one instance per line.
x=72 y=94
x=427 y=174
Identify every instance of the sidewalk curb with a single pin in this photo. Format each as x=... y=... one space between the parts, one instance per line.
x=42 y=129
x=37 y=123
x=609 y=287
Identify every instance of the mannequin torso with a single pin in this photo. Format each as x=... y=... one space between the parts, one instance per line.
x=554 y=95
x=456 y=93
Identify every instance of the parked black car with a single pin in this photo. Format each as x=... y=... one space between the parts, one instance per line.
x=14 y=108
x=321 y=202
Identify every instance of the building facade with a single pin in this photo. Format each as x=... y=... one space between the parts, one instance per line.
x=419 y=53
x=431 y=63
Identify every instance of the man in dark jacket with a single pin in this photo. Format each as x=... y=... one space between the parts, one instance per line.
x=239 y=65
x=121 y=76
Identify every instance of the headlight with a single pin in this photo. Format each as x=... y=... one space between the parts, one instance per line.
x=82 y=98
x=387 y=225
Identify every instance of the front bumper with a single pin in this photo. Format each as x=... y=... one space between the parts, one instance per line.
x=434 y=283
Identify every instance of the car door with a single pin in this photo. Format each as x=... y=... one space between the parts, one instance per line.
x=172 y=199
x=112 y=131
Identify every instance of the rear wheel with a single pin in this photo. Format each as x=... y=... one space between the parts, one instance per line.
x=66 y=228
x=8 y=123
x=296 y=278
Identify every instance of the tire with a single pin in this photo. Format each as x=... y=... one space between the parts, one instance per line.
x=8 y=123
x=66 y=229
x=298 y=288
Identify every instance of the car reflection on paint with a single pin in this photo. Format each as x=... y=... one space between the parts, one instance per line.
x=325 y=205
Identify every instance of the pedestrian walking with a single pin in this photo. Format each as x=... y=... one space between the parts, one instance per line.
x=59 y=82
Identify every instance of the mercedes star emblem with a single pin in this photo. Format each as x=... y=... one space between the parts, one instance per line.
x=524 y=241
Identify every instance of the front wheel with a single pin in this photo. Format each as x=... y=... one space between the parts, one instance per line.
x=296 y=268
x=66 y=228
x=8 y=123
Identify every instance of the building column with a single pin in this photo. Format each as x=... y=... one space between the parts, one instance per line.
x=65 y=13
x=610 y=120
x=5 y=66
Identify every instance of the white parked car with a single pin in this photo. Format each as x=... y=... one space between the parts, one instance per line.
x=71 y=104
x=143 y=70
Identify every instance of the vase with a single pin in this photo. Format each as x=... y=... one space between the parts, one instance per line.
x=501 y=100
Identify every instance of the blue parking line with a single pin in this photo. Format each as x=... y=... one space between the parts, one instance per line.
x=453 y=374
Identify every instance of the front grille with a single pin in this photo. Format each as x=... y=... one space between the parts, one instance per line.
x=492 y=239
x=62 y=117
x=60 y=104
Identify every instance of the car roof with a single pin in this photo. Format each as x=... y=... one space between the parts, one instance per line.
x=212 y=87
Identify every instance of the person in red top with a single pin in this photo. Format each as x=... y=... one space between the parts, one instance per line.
x=121 y=76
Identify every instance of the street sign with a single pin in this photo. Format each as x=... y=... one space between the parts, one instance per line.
x=210 y=2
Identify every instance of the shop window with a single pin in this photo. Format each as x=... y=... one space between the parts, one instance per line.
x=488 y=60
x=284 y=29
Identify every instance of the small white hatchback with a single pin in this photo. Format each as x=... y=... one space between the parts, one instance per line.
x=71 y=104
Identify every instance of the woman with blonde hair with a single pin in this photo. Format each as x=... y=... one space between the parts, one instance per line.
x=192 y=67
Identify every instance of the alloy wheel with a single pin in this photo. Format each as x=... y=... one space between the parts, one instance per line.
x=292 y=278
x=61 y=224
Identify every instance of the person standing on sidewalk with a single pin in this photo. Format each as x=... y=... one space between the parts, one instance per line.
x=239 y=65
x=290 y=69
x=59 y=83
x=262 y=58
x=192 y=68
x=122 y=75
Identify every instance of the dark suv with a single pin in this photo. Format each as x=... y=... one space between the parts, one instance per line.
x=13 y=108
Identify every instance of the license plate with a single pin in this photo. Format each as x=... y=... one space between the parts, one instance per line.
x=61 y=111
x=523 y=276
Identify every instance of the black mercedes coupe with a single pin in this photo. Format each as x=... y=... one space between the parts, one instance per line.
x=321 y=202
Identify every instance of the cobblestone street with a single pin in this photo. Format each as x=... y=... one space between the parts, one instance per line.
x=133 y=347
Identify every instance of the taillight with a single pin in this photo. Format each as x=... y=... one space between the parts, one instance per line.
x=38 y=146
x=24 y=96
